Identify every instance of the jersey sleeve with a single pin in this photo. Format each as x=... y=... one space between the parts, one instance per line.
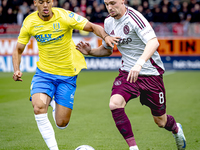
x=76 y=21
x=144 y=31
x=24 y=35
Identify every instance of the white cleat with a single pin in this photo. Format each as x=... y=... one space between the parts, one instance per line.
x=180 y=138
x=133 y=148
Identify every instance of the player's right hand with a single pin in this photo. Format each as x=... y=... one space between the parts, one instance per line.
x=133 y=73
x=111 y=41
x=84 y=47
x=17 y=75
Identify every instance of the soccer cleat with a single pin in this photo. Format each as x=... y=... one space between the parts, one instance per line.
x=180 y=138
x=133 y=148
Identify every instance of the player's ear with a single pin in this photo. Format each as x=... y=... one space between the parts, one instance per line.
x=34 y=1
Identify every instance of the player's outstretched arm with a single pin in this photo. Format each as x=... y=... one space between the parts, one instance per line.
x=99 y=31
x=16 y=59
x=85 y=48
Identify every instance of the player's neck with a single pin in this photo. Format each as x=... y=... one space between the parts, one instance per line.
x=123 y=11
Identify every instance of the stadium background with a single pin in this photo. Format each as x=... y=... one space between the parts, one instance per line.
x=91 y=122
x=176 y=23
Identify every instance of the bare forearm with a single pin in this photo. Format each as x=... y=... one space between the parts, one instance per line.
x=16 y=56
x=96 y=29
x=150 y=48
x=16 y=59
x=100 y=52
x=99 y=31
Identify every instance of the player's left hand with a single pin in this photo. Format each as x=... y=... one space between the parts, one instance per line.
x=84 y=47
x=111 y=41
x=133 y=73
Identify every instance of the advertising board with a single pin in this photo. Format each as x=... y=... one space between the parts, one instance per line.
x=177 y=53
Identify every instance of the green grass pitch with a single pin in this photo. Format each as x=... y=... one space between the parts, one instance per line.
x=91 y=122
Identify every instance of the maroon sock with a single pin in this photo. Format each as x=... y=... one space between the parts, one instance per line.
x=171 y=124
x=124 y=126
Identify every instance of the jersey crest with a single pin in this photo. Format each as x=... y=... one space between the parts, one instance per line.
x=56 y=26
x=126 y=29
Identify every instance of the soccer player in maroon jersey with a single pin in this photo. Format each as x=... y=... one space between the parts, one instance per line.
x=141 y=72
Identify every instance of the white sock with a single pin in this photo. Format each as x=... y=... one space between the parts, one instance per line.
x=53 y=105
x=46 y=131
x=62 y=127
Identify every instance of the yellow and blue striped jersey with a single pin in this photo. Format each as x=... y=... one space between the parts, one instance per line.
x=57 y=51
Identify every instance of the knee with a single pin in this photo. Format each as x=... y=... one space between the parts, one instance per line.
x=38 y=109
x=39 y=106
x=113 y=105
x=117 y=101
x=62 y=124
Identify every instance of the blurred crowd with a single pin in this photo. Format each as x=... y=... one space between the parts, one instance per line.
x=14 y=11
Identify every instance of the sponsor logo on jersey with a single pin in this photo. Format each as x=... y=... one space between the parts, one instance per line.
x=43 y=36
x=38 y=26
x=147 y=32
x=47 y=38
x=78 y=18
x=56 y=26
x=124 y=41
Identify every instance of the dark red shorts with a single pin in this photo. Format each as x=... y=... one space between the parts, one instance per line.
x=150 y=89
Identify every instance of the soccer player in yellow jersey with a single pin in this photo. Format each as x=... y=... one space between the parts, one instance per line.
x=58 y=65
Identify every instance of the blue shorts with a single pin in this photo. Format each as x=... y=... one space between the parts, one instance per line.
x=61 y=87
